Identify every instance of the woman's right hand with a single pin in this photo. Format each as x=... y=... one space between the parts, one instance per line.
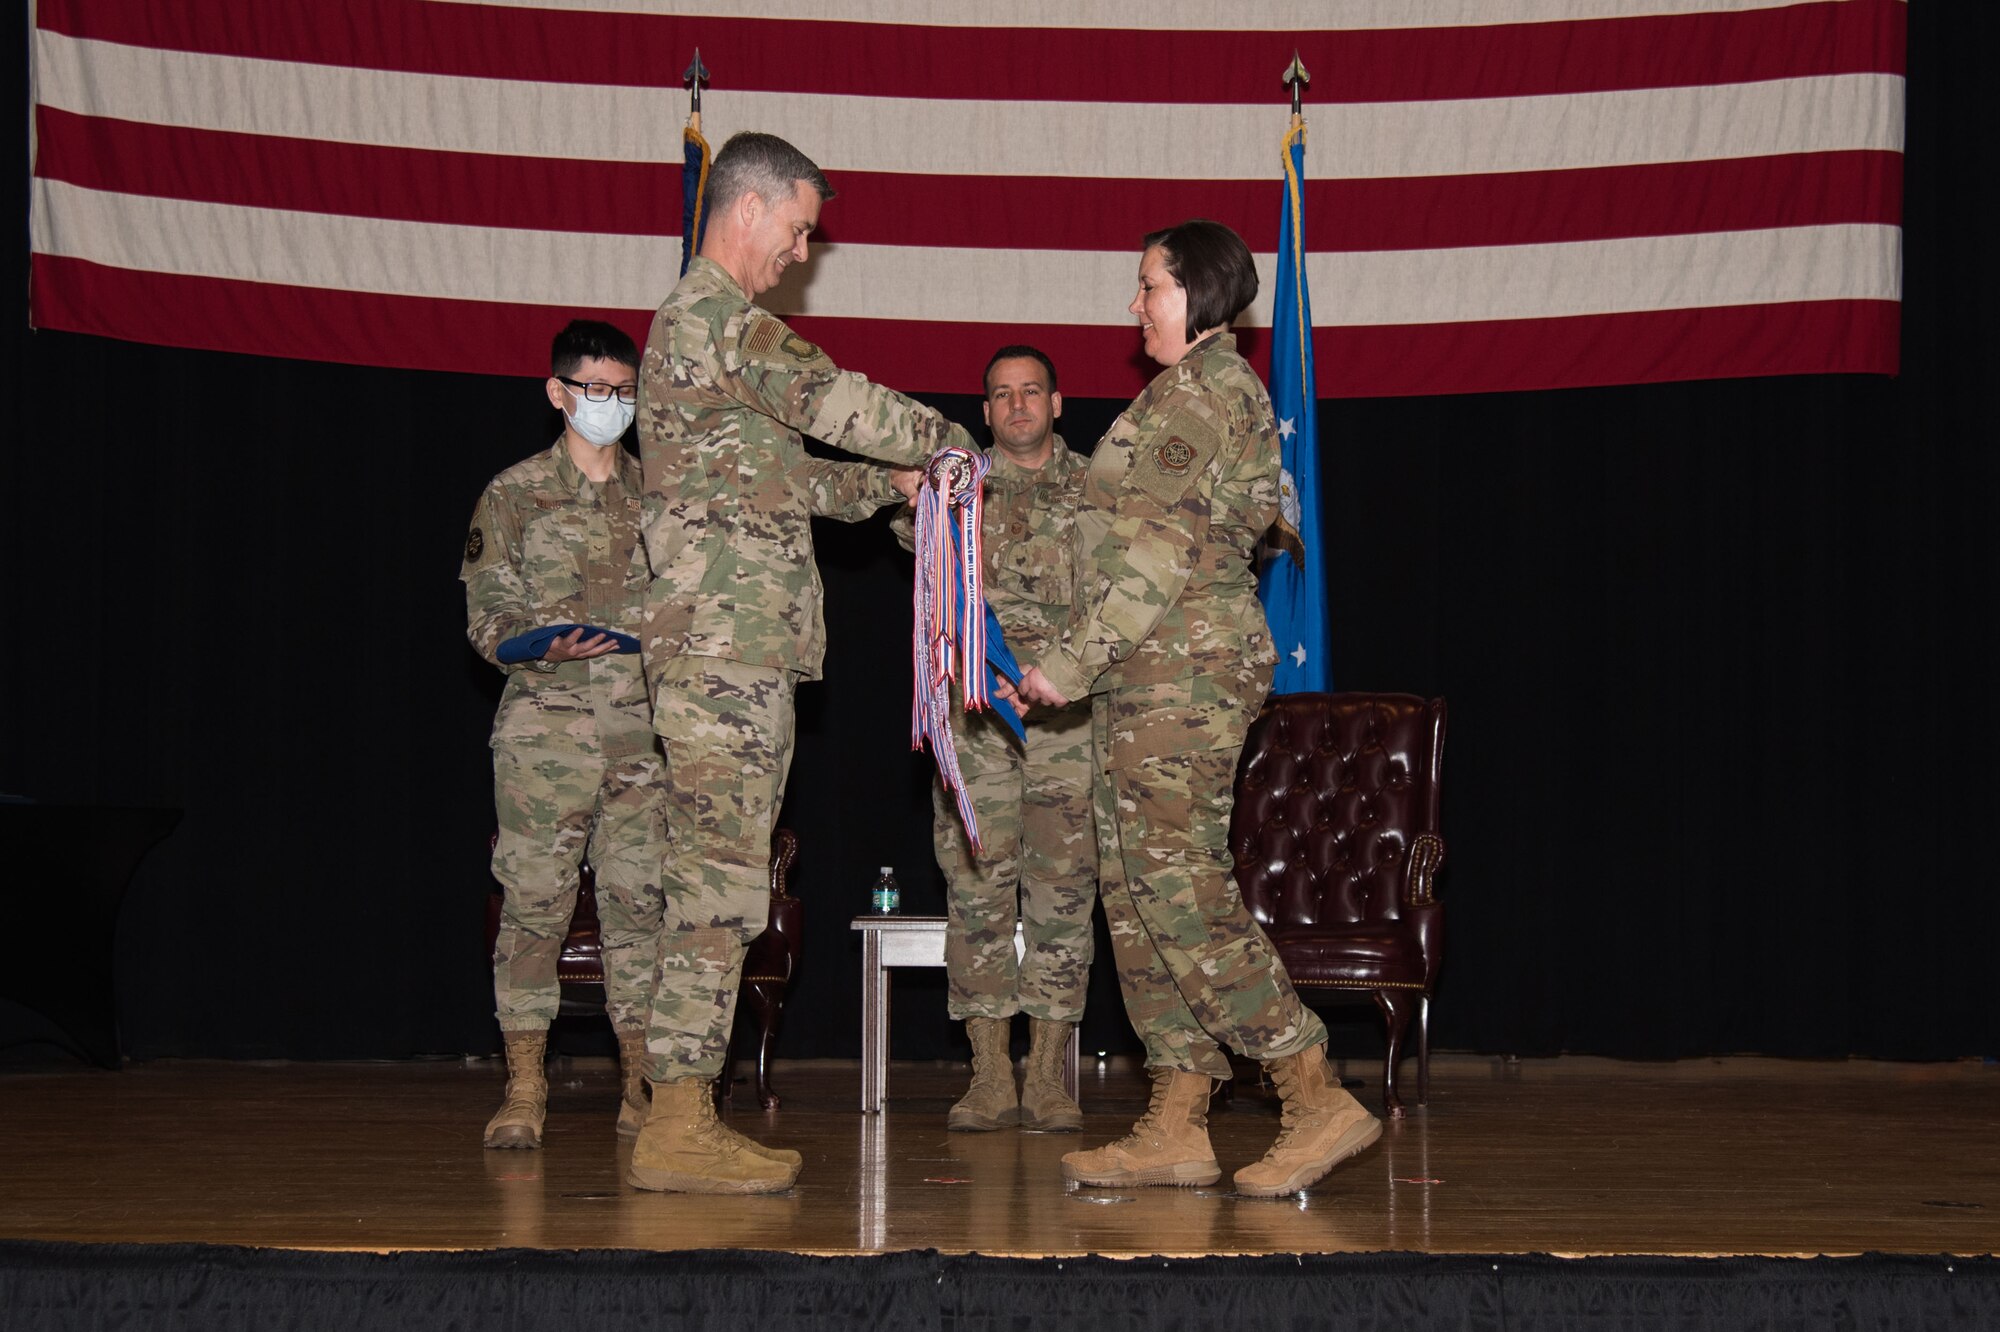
x=1036 y=689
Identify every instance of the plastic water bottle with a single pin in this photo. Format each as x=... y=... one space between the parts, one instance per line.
x=886 y=899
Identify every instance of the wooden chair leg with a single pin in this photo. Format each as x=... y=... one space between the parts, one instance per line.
x=767 y=1002
x=1397 y=1006
x=1423 y=1049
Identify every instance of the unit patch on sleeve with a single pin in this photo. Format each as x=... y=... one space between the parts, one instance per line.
x=799 y=349
x=1180 y=449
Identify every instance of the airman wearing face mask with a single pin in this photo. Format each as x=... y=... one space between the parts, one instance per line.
x=601 y=422
x=577 y=768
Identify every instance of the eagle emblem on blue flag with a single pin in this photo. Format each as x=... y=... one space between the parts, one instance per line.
x=1284 y=534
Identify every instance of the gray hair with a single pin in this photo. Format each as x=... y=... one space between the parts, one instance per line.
x=760 y=164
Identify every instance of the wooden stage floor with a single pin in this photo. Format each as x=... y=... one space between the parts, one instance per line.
x=1568 y=1156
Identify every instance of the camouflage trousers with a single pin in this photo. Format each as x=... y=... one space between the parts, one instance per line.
x=727 y=728
x=555 y=809
x=1195 y=967
x=1037 y=866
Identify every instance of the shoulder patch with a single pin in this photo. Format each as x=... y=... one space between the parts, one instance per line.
x=764 y=337
x=475 y=544
x=1173 y=454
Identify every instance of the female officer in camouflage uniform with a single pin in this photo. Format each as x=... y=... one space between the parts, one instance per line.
x=1167 y=637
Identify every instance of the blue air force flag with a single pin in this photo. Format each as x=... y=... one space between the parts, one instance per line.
x=1293 y=582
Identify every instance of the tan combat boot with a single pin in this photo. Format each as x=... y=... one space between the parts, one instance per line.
x=632 y=1105
x=683 y=1148
x=632 y=1082
x=519 y=1123
x=1323 y=1127
x=1045 y=1105
x=782 y=1155
x=990 y=1102
x=1169 y=1144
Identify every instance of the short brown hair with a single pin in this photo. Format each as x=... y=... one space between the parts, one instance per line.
x=1019 y=352
x=1213 y=266
x=763 y=165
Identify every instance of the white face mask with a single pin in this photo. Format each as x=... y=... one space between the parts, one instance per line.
x=602 y=423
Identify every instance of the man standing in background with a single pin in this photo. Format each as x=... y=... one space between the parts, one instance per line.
x=1038 y=862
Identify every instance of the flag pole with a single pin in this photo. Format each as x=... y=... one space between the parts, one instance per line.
x=694 y=163
x=695 y=77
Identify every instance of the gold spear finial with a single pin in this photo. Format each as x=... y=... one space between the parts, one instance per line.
x=1296 y=76
x=694 y=78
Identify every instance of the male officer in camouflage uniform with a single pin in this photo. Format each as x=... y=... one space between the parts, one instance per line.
x=1167 y=637
x=576 y=767
x=732 y=617
x=1038 y=862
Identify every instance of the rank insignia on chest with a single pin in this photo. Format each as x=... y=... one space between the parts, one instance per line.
x=1174 y=456
x=474 y=544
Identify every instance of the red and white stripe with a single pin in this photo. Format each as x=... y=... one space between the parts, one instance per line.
x=1501 y=193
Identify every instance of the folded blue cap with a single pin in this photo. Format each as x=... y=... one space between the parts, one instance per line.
x=530 y=646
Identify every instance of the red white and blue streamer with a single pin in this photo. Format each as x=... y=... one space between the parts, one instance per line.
x=956 y=636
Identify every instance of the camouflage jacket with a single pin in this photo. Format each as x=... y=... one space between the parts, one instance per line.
x=1176 y=496
x=550 y=546
x=725 y=391
x=1027 y=529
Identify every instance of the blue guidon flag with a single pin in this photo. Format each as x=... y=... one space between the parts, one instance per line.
x=694 y=189
x=1292 y=584
x=693 y=193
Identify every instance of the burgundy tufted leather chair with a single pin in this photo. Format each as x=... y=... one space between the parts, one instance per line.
x=767 y=970
x=1336 y=842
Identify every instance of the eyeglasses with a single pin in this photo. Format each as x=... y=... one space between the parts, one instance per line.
x=626 y=393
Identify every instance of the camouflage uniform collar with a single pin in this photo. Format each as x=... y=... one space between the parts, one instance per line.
x=624 y=476
x=1224 y=341
x=567 y=472
x=707 y=270
x=1052 y=472
x=1193 y=364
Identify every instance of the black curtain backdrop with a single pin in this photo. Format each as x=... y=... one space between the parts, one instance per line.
x=1720 y=657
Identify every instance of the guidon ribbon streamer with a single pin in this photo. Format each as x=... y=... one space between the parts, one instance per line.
x=955 y=634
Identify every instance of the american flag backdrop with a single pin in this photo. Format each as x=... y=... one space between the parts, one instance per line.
x=1502 y=194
